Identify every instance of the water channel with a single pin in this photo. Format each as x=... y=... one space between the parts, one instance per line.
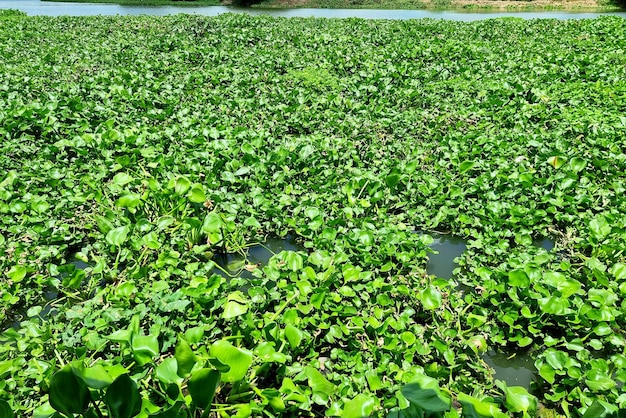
x=43 y=8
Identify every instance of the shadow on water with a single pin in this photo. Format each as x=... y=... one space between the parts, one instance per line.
x=257 y=256
x=514 y=369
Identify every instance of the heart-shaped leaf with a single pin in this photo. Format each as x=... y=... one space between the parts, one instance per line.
x=123 y=398
x=238 y=359
x=68 y=394
x=202 y=386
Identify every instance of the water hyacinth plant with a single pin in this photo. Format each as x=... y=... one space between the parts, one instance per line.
x=144 y=159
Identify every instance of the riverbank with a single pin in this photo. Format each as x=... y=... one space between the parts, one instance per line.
x=193 y=3
x=482 y=5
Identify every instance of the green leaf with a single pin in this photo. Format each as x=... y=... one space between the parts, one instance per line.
x=476 y=408
x=45 y=410
x=212 y=223
x=182 y=185
x=599 y=381
x=466 y=166
x=130 y=200
x=426 y=394
x=602 y=329
x=392 y=180
x=5 y=410
x=318 y=382
x=236 y=305
x=252 y=222
x=361 y=406
x=554 y=305
x=122 y=179
x=294 y=335
x=120 y=336
x=95 y=377
x=185 y=358
x=145 y=347
x=600 y=409
x=167 y=372
x=117 y=236
x=555 y=358
x=202 y=386
x=68 y=394
x=619 y=271
x=17 y=273
x=123 y=398
x=151 y=240
x=294 y=261
x=577 y=164
x=238 y=359
x=196 y=194
x=557 y=161
x=518 y=278
x=194 y=335
x=178 y=410
x=518 y=399
x=431 y=298
x=266 y=352
x=104 y=225
x=599 y=228
x=274 y=399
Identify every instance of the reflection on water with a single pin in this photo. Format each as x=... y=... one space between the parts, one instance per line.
x=514 y=369
x=448 y=248
x=37 y=7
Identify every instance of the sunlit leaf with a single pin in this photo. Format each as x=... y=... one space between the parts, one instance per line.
x=117 y=236
x=238 y=359
x=361 y=406
x=431 y=298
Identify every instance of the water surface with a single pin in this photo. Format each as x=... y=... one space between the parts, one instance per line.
x=448 y=248
x=256 y=256
x=37 y=7
x=516 y=369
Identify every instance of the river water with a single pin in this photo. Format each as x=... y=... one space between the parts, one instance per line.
x=42 y=8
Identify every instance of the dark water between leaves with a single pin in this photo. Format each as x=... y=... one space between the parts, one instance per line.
x=257 y=255
x=448 y=248
x=515 y=369
x=75 y=267
x=39 y=8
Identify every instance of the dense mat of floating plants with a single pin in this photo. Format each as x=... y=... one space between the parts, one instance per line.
x=151 y=166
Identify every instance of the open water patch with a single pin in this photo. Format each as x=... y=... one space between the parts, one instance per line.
x=547 y=243
x=241 y=264
x=515 y=369
x=447 y=248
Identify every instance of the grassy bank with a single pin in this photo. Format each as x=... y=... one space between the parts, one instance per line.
x=478 y=5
